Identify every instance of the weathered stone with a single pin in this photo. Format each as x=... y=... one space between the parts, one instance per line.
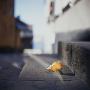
x=78 y=58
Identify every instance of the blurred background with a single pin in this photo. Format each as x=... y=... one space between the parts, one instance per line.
x=35 y=33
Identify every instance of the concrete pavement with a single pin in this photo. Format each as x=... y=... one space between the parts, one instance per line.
x=35 y=77
x=28 y=74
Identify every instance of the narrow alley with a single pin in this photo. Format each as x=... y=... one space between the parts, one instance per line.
x=44 y=44
x=22 y=72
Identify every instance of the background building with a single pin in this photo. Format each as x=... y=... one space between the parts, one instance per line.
x=14 y=34
x=7 y=25
x=25 y=34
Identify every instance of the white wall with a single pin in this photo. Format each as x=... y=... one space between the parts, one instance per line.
x=77 y=18
x=72 y=23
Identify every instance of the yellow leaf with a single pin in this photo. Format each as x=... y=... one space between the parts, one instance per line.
x=55 y=66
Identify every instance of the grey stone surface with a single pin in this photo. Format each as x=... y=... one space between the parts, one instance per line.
x=78 y=58
x=33 y=76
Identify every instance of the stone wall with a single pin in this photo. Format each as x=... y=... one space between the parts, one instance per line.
x=78 y=58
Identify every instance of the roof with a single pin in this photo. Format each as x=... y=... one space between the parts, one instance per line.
x=22 y=25
x=26 y=30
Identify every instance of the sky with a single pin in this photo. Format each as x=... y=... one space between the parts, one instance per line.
x=32 y=12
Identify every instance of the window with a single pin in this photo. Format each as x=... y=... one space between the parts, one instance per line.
x=51 y=8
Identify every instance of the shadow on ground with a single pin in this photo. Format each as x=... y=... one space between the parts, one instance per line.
x=10 y=68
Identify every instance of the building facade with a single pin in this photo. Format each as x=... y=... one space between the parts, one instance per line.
x=71 y=21
x=7 y=24
x=25 y=34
